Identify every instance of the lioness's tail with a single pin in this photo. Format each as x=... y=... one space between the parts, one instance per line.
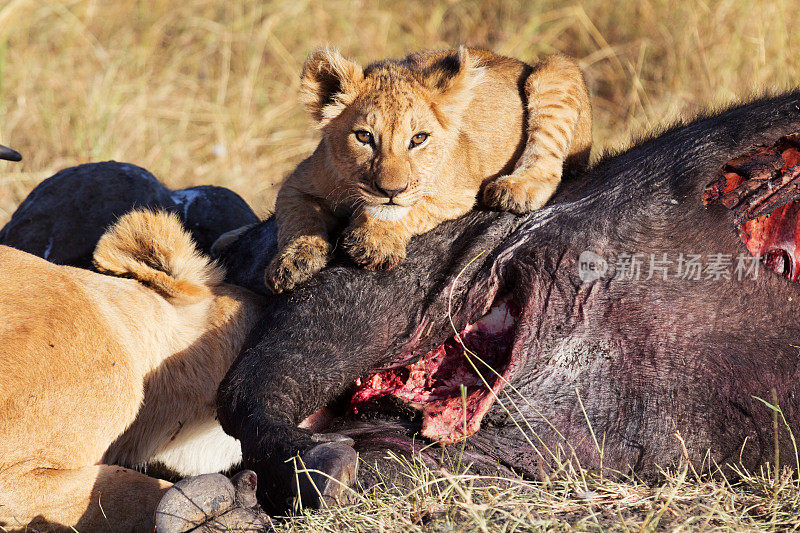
x=155 y=249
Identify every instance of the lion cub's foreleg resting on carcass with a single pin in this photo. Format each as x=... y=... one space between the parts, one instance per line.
x=559 y=127
x=409 y=144
x=118 y=368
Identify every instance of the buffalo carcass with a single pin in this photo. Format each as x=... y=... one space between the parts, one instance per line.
x=625 y=326
x=62 y=219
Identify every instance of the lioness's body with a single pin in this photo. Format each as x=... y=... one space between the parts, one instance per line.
x=97 y=369
x=490 y=122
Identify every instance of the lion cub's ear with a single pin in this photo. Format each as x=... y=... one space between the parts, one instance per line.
x=451 y=80
x=329 y=84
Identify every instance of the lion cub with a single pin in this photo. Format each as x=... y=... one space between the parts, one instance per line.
x=409 y=144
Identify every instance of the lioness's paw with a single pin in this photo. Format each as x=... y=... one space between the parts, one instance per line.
x=519 y=194
x=374 y=250
x=296 y=263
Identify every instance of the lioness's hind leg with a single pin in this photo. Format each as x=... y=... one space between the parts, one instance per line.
x=559 y=132
x=94 y=498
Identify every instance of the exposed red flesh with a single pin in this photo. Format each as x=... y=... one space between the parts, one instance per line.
x=762 y=188
x=434 y=383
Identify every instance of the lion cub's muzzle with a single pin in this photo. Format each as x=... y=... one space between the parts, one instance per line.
x=388 y=205
x=391 y=193
x=382 y=191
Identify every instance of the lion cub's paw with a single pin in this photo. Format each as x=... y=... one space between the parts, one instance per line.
x=296 y=263
x=373 y=249
x=519 y=194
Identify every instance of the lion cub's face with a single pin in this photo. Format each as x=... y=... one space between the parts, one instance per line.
x=387 y=128
x=387 y=146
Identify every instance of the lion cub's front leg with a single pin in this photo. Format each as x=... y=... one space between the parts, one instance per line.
x=559 y=131
x=297 y=262
x=376 y=244
x=304 y=247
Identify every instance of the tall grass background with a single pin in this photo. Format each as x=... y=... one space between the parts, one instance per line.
x=206 y=91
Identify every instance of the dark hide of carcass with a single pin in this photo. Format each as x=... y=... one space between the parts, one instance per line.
x=619 y=324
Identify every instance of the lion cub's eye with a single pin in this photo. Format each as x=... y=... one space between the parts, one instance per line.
x=363 y=136
x=418 y=139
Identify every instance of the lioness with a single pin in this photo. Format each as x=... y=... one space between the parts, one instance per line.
x=408 y=144
x=120 y=369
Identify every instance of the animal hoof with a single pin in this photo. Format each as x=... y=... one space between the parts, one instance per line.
x=326 y=473
x=211 y=502
x=238 y=519
x=245 y=484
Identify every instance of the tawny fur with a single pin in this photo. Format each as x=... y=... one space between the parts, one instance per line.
x=488 y=123
x=98 y=370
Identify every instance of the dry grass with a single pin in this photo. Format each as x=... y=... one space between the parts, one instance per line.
x=706 y=497
x=572 y=500
x=205 y=91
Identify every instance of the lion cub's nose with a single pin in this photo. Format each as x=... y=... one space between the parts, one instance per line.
x=391 y=193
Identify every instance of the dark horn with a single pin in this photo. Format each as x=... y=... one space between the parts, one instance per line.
x=9 y=154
